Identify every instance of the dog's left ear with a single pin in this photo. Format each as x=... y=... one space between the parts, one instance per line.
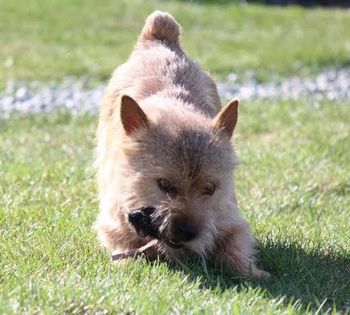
x=226 y=119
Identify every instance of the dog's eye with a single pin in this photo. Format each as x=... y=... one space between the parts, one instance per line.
x=166 y=186
x=209 y=189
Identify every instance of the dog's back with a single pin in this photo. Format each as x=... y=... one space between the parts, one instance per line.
x=159 y=66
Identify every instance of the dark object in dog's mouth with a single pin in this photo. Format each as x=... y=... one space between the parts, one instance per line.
x=141 y=220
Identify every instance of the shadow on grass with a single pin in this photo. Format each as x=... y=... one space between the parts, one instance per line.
x=318 y=280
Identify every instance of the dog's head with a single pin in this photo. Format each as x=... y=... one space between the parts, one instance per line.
x=178 y=169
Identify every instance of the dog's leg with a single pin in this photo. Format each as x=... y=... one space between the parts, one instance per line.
x=236 y=250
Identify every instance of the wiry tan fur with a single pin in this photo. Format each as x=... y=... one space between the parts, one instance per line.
x=170 y=128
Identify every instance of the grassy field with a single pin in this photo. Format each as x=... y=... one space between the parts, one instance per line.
x=293 y=186
x=293 y=182
x=50 y=39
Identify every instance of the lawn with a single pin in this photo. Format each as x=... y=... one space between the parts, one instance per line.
x=293 y=181
x=293 y=186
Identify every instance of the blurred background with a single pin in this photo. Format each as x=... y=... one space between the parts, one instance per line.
x=78 y=44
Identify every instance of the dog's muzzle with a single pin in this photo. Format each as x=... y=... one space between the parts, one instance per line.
x=142 y=221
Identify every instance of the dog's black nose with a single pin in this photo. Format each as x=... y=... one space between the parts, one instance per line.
x=183 y=231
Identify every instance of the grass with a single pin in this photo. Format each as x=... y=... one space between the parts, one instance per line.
x=56 y=38
x=293 y=186
x=293 y=181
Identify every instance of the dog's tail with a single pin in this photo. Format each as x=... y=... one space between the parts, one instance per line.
x=161 y=26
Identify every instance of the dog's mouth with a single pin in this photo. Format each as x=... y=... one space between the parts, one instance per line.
x=173 y=244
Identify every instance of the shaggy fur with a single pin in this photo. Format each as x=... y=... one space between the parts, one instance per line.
x=160 y=119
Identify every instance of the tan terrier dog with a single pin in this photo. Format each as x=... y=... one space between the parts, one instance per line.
x=165 y=160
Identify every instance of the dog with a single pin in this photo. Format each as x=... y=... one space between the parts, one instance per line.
x=165 y=159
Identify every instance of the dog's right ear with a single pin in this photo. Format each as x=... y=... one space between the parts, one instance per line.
x=131 y=115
